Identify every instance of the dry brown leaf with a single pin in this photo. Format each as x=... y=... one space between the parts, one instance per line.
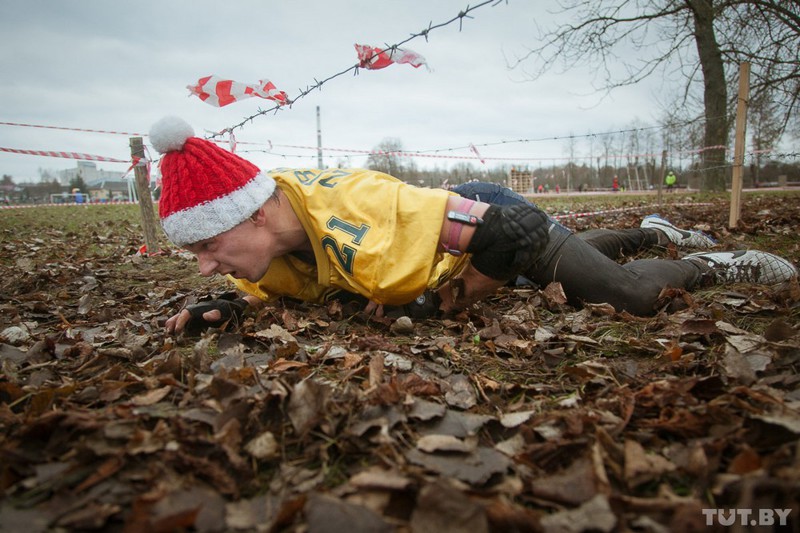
x=152 y=396
x=594 y=515
x=641 y=466
x=445 y=443
x=326 y=514
x=282 y=365
x=307 y=405
x=444 y=509
x=576 y=484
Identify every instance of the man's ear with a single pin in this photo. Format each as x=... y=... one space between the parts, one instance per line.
x=259 y=217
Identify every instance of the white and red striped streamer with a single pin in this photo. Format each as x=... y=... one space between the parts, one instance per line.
x=67 y=155
x=220 y=92
x=372 y=58
x=477 y=154
x=648 y=207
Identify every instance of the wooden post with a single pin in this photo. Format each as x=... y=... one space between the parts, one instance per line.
x=739 y=142
x=149 y=222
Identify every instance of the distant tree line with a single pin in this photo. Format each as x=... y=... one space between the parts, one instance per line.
x=630 y=156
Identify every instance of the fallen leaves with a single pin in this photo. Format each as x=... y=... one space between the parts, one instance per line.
x=522 y=413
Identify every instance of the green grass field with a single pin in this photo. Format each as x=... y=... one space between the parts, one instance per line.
x=115 y=225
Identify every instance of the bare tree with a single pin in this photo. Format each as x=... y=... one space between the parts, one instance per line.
x=607 y=141
x=649 y=163
x=570 y=145
x=766 y=33
x=671 y=37
x=764 y=121
x=387 y=157
x=632 y=148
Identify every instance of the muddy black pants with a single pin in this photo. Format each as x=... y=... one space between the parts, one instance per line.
x=585 y=263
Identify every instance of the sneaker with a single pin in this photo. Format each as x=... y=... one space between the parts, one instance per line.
x=681 y=237
x=750 y=266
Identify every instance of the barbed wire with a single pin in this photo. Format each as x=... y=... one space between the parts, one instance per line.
x=435 y=153
x=389 y=48
x=356 y=151
x=432 y=150
x=349 y=152
x=727 y=164
x=718 y=163
x=572 y=136
x=792 y=155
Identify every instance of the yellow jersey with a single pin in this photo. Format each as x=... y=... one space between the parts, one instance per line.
x=371 y=234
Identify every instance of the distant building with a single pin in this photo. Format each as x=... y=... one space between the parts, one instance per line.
x=102 y=185
x=110 y=190
x=89 y=172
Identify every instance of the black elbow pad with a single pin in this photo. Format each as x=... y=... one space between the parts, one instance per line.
x=509 y=240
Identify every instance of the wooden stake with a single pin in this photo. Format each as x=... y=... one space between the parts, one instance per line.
x=739 y=142
x=149 y=222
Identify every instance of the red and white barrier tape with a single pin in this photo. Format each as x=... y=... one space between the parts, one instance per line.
x=622 y=210
x=65 y=204
x=67 y=155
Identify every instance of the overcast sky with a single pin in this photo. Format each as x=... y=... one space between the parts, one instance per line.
x=95 y=64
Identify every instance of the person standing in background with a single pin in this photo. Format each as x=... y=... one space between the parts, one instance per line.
x=670 y=181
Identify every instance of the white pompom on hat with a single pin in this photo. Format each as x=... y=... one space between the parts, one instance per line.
x=169 y=134
x=206 y=190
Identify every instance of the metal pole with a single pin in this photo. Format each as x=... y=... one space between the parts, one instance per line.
x=319 y=141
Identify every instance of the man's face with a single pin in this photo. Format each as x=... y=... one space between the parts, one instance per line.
x=245 y=251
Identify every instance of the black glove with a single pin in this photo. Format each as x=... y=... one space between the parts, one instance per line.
x=426 y=305
x=230 y=307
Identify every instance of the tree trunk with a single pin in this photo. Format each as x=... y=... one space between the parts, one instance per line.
x=715 y=96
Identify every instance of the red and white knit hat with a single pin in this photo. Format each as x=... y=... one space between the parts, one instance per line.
x=206 y=190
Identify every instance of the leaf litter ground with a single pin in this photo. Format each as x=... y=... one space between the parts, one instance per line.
x=519 y=414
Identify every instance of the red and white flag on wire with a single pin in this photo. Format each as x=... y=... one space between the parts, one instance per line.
x=477 y=154
x=372 y=58
x=232 y=141
x=219 y=92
